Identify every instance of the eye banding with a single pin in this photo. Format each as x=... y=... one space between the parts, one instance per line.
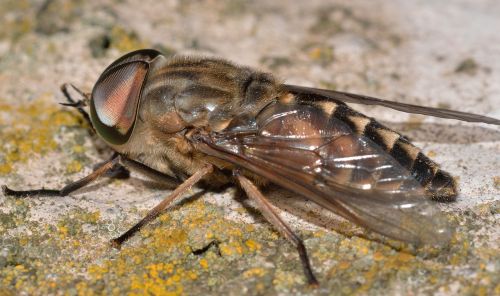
x=112 y=109
x=115 y=101
x=117 y=93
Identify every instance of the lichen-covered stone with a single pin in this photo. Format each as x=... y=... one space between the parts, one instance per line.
x=216 y=243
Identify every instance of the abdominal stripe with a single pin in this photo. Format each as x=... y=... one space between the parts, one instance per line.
x=440 y=184
x=407 y=155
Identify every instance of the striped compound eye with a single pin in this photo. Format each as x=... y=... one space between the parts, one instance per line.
x=116 y=96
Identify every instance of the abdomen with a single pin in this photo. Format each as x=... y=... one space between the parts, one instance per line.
x=438 y=184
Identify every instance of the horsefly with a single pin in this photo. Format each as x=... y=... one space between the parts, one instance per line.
x=203 y=120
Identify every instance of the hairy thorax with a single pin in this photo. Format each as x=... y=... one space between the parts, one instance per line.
x=183 y=94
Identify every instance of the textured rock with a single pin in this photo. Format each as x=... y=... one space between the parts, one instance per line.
x=424 y=52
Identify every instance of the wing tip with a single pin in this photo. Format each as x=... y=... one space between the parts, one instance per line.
x=439 y=237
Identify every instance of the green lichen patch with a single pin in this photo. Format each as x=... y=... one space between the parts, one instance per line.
x=321 y=54
x=31 y=129
x=194 y=249
x=339 y=19
x=276 y=62
x=468 y=66
x=116 y=37
x=496 y=182
x=56 y=16
x=73 y=255
x=17 y=19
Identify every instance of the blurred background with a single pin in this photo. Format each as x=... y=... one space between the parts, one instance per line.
x=434 y=53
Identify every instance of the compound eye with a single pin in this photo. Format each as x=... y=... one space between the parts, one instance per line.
x=115 y=100
x=116 y=95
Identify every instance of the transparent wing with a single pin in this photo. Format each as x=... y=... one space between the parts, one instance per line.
x=408 y=108
x=299 y=148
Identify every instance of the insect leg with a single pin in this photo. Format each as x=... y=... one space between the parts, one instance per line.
x=147 y=171
x=271 y=216
x=76 y=104
x=100 y=171
x=113 y=168
x=156 y=211
x=118 y=172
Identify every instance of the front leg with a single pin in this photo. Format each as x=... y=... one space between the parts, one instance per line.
x=78 y=104
x=100 y=171
x=115 y=163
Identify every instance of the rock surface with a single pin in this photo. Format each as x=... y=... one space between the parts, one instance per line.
x=433 y=53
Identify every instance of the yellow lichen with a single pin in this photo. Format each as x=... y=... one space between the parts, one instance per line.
x=23 y=241
x=252 y=245
x=249 y=228
x=315 y=53
x=431 y=153
x=496 y=182
x=344 y=265
x=161 y=279
x=256 y=271
x=63 y=230
x=497 y=289
x=414 y=122
x=319 y=233
x=204 y=263
x=403 y=257
x=125 y=41
x=30 y=129
x=74 y=167
x=78 y=149
x=209 y=235
x=164 y=218
x=231 y=248
x=378 y=256
x=159 y=260
x=323 y=54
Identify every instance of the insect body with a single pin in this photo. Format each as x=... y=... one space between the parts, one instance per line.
x=207 y=120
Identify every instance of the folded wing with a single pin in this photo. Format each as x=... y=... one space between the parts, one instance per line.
x=408 y=108
x=298 y=147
